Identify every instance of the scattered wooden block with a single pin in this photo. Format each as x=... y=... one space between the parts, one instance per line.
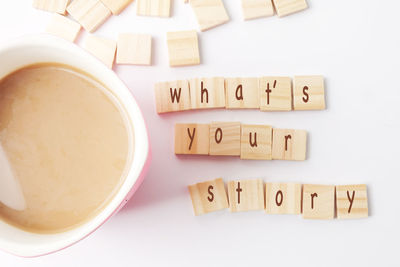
x=309 y=93
x=256 y=142
x=275 y=93
x=154 y=8
x=287 y=7
x=289 y=144
x=102 y=48
x=207 y=93
x=283 y=198
x=208 y=196
x=183 y=48
x=318 y=201
x=352 y=201
x=192 y=139
x=209 y=13
x=242 y=93
x=246 y=195
x=134 y=49
x=253 y=9
x=116 y=6
x=225 y=138
x=89 y=13
x=57 y=6
x=172 y=96
x=63 y=27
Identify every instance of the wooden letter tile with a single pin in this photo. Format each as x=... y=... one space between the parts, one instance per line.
x=89 y=13
x=287 y=7
x=225 y=138
x=154 y=8
x=283 y=198
x=172 y=96
x=116 y=6
x=192 y=139
x=102 y=48
x=57 y=6
x=242 y=93
x=134 y=49
x=208 y=196
x=63 y=27
x=309 y=93
x=253 y=9
x=275 y=93
x=183 y=48
x=245 y=195
x=209 y=13
x=352 y=201
x=256 y=142
x=289 y=144
x=318 y=201
x=207 y=93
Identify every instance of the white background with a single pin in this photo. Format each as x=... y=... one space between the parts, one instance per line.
x=354 y=44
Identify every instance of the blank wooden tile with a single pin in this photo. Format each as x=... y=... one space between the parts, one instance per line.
x=275 y=93
x=207 y=92
x=57 y=6
x=89 y=13
x=287 y=7
x=209 y=13
x=318 y=201
x=192 y=138
x=288 y=144
x=183 y=48
x=154 y=8
x=172 y=96
x=242 y=93
x=134 y=49
x=63 y=27
x=246 y=195
x=116 y=6
x=256 y=142
x=225 y=138
x=309 y=93
x=283 y=198
x=253 y=9
x=102 y=48
x=208 y=196
x=352 y=201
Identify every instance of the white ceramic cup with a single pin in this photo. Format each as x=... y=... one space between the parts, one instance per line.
x=44 y=48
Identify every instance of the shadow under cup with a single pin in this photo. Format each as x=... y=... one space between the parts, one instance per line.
x=47 y=49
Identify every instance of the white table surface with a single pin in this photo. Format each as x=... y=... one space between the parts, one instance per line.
x=354 y=44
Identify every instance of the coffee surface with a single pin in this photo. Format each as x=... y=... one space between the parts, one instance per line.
x=66 y=142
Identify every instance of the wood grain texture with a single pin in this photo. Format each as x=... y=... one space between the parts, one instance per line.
x=134 y=49
x=183 y=48
x=209 y=13
x=318 y=202
x=89 y=13
x=56 y=6
x=287 y=7
x=116 y=6
x=309 y=93
x=102 y=48
x=207 y=92
x=225 y=138
x=246 y=195
x=283 y=198
x=242 y=93
x=275 y=93
x=153 y=8
x=253 y=9
x=256 y=142
x=208 y=196
x=192 y=138
x=352 y=201
x=289 y=144
x=172 y=96
x=63 y=27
